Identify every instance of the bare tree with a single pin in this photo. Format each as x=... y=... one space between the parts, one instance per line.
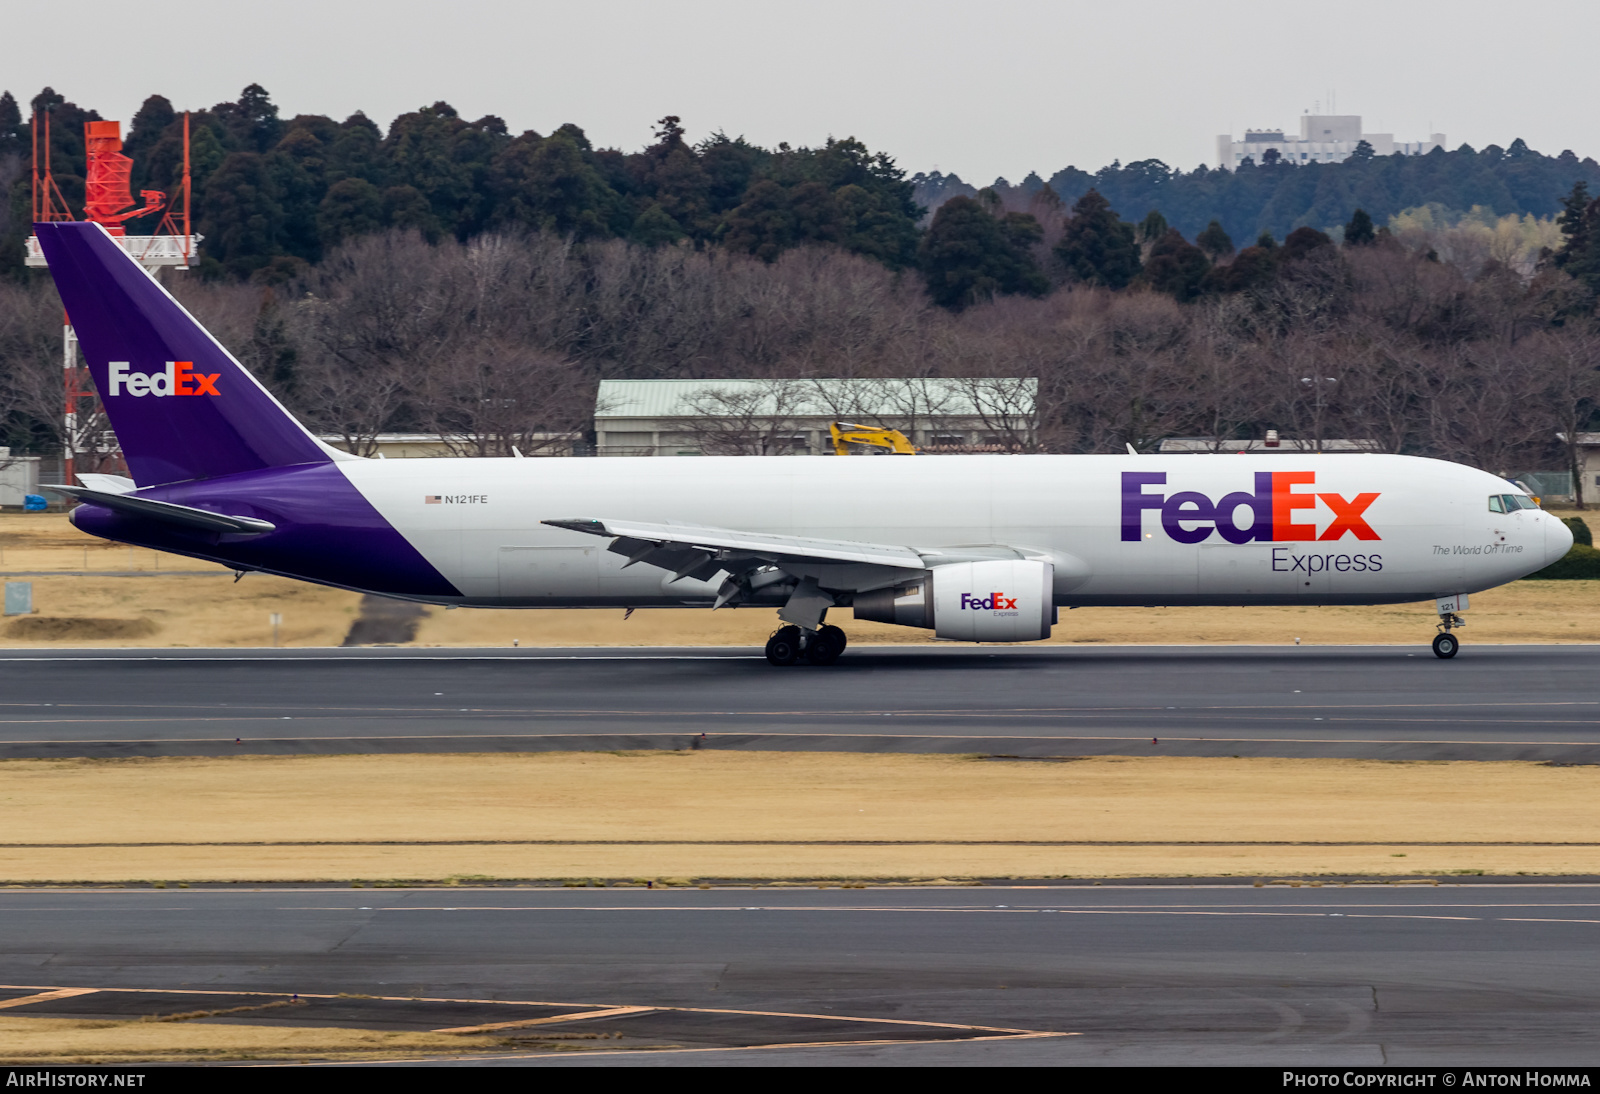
x=1567 y=363
x=493 y=398
x=749 y=420
x=1483 y=409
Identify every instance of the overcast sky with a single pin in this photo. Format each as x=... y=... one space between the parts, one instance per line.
x=981 y=89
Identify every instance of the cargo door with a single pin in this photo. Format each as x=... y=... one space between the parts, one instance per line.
x=549 y=573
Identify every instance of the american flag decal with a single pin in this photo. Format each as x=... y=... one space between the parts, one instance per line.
x=431 y=499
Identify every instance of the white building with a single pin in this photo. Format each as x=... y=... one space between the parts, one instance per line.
x=791 y=417
x=19 y=477
x=1324 y=138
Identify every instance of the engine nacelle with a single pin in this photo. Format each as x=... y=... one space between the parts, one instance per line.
x=1002 y=600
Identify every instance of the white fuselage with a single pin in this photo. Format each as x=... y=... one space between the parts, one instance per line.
x=1429 y=531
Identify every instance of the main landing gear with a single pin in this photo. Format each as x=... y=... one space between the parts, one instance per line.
x=789 y=645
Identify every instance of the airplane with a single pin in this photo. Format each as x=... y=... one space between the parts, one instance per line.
x=979 y=548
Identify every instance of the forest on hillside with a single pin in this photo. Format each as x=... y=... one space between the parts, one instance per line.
x=448 y=277
x=273 y=195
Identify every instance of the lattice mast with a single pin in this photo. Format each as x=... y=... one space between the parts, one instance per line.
x=108 y=201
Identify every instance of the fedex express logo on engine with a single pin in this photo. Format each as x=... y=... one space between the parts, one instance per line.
x=179 y=378
x=994 y=602
x=1268 y=515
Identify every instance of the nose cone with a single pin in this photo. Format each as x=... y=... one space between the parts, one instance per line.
x=1557 y=539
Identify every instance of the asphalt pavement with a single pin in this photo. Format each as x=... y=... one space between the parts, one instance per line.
x=1454 y=975
x=1383 y=702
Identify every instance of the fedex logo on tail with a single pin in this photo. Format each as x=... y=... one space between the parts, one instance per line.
x=179 y=378
x=1274 y=510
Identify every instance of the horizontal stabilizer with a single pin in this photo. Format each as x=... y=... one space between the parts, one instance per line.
x=108 y=484
x=166 y=512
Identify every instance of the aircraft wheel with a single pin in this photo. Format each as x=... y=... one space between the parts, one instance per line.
x=826 y=647
x=783 y=648
x=1446 y=645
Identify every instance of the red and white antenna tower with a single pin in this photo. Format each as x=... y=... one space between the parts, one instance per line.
x=107 y=201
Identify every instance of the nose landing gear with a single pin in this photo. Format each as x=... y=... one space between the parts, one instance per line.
x=791 y=644
x=1446 y=644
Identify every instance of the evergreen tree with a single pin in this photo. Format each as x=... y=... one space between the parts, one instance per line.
x=763 y=224
x=1153 y=227
x=241 y=215
x=351 y=207
x=1252 y=268
x=551 y=184
x=252 y=120
x=1359 y=232
x=969 y=256
x=653 y=227
x=1176 y=266
x=1097 y=247
x=10 y=125
x=1215 y=242
x=1580 y=223
x=1304 y=241
x=405 y=207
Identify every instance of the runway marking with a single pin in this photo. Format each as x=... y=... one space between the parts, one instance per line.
x=587 y=1012
x=4 y=846
x=711 y=739
x=1068 y=655
x=935 y=712
x=1223 y=913
x=359 y=659
x=609 y=1012
x=568 y=1054
x=597 y=1007
x=45 y=996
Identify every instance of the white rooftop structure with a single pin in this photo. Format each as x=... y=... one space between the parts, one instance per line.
x=1323 y=138
x=1289 y=446
x=176 y=251
x=791 y=417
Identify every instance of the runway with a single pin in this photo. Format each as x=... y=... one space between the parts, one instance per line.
x=1384 y=702
x=1360 y=975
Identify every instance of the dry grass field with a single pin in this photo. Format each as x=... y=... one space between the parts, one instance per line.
x=67 y=1041
x=211 y=610
x=700 y=814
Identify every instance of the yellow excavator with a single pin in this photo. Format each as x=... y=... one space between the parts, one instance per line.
x=846 y=434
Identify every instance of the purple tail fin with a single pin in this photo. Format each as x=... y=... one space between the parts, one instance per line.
x=180 y=404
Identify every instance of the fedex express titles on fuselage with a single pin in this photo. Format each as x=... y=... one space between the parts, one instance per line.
x=978 y=548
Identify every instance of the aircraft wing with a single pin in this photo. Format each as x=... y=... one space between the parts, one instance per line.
x=700 y=552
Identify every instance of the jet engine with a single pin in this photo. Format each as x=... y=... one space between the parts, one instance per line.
x=999 y=600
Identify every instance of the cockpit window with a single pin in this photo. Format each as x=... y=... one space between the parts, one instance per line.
x=1510 y=503
x=1496 y=505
